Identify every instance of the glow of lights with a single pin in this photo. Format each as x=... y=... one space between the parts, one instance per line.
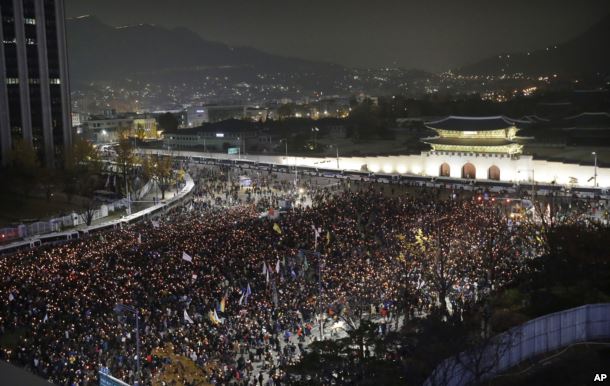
x=402 y=169
x=388 y=168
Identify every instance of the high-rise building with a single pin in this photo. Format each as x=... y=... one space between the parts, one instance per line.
x=34 y=89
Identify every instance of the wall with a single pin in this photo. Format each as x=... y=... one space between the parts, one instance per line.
x=512 y=169
x=538 y=336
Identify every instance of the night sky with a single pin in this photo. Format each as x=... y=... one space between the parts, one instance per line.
x=432 y=35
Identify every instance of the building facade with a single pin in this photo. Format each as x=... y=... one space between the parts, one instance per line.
x=488 y=138
x=34 y=89
x=109 y=129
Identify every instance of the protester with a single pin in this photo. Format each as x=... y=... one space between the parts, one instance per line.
x=240 y=295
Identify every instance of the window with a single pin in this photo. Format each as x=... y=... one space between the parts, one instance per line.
x=12 y=80
x=31 y=21
x=30 y=41
x=55 y=81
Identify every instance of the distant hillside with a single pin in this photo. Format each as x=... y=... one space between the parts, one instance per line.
x=101 y=52
x=582 y=57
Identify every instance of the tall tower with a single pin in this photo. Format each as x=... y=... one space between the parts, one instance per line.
x=34 y=88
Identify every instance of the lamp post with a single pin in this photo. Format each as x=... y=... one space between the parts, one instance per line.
x=285 y=140
x=119 y=309
x=315 y=131
x=127 y=196
x=337 y=154
x=594 y=169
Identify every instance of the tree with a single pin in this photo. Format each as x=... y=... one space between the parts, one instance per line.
x=125 y=159
x=365 y=121
x=168 y=122
x=364 y=357
x=285 y=111
x=83 y=160
x=86 y=187
x=47 y=180
x=25 y=165
x=159 y=169
x=83 y=157
x=140 y=132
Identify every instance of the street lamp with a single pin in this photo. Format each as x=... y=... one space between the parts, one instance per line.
x=337 y=149
x=285 y=140
x=315 y=131
x=595 y=169
x=321 y=320
x=120 y=309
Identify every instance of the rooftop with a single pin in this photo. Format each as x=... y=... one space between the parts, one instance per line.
x=591 y=119
x=459 y=123
x=492 y=142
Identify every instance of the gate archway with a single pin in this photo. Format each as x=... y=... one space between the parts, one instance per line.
x=445 y=170
x=469 y=171
x=493 y=173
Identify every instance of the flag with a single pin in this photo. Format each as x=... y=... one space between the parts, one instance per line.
x=264 y=268
x=212 y=317
x=10 y=297
x=401 y=237
x=155 y=224
x=139 y=238
x=277 y=228
x=107 y=181
x=316 y=234
x=222 y=304
x=267 y=279
x=216 y=317
x=305 y=264
x=46 y=317
x=327 y=237
x=187 y=317
x=248 y=293
x=277 y=266
x=186 y=257
x=241 y=298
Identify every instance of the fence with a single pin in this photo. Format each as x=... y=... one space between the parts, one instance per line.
x=57 y=224
x=529 y=340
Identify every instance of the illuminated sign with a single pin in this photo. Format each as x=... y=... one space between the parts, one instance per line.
x=220 y=135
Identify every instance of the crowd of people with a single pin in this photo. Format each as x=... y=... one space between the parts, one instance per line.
x=241 y=295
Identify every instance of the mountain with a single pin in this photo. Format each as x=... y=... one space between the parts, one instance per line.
x=584 y=56
x=98 y=52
